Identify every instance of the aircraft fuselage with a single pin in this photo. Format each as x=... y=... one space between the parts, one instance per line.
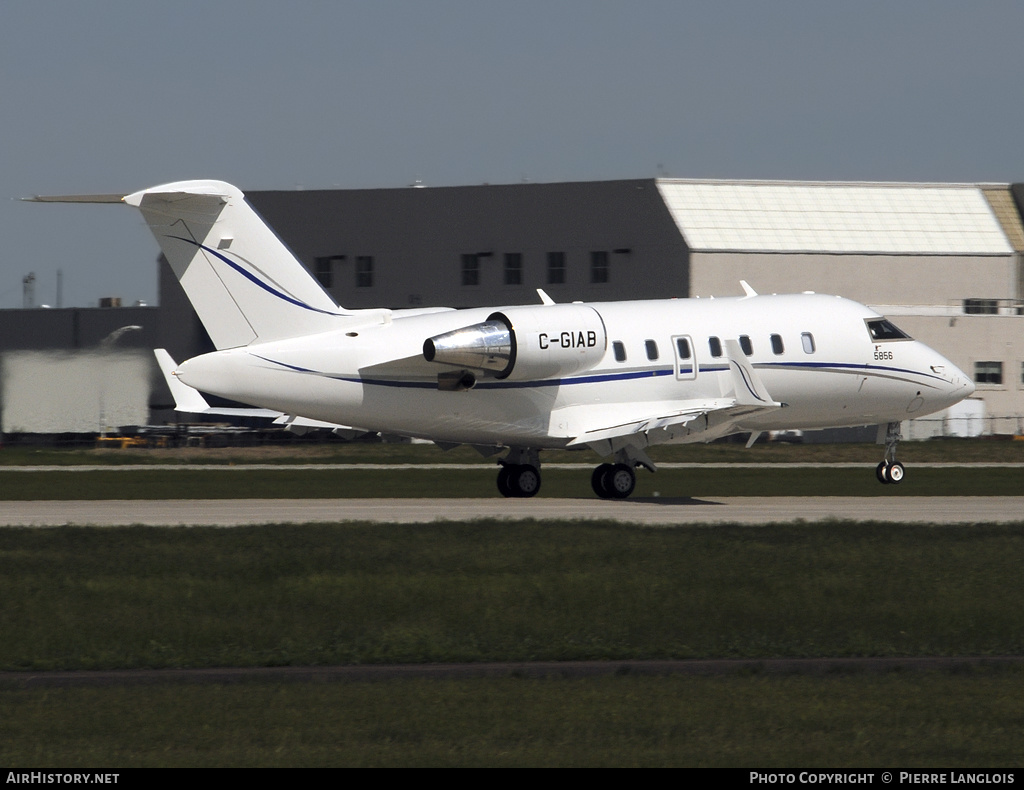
x=814 y=353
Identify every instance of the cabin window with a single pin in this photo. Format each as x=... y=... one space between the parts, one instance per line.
x=619 y=350
x=470 y=269
x=881 y=329
x=988 y=372
x=556 y=268
x=807 y=340
x=716 y=346
x=364 y=271
x=513 y=268
x=746 y=345
x=683 y=347
x=777 y=345
x=599 y=267
x=652 y=349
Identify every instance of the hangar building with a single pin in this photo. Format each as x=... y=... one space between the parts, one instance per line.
x=944 y=261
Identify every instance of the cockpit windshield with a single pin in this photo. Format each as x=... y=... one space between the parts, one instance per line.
x=882 y=329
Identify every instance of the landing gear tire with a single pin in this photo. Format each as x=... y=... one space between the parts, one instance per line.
x=613 y=481
x=890 y=473
x=597 y=480
x=504 y=484
x=519 y=480
x=621 y=481
x=890 y=470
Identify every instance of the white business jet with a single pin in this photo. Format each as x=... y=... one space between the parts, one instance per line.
x=615 y=377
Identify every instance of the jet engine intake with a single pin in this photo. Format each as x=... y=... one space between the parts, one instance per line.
x=525 y=343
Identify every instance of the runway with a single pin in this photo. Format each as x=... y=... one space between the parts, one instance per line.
x=651 y=511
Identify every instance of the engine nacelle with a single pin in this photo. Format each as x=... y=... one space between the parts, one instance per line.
x=524 y=343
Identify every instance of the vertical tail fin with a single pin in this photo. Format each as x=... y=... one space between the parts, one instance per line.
x=241 y=279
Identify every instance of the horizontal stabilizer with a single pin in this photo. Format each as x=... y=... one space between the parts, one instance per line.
x=118 y=198
x=244 y=283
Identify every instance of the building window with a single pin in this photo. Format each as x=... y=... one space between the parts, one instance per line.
x=599 y=267
x=716 y=346
x=325 y=269
x=556 y=268
x=652 y=349
x=364 y=271
x=619 y=351
x=981 y=306
x=807 y=340
x=513 y=268
x=470 y=269
x=988 y=372
x=746 y=345
x=777 y=346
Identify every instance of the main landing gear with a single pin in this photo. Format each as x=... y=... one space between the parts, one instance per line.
x=890 y=470
x=613 y=481
x=519 y=475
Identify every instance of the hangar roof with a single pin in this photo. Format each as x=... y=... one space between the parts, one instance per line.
x=825 y=217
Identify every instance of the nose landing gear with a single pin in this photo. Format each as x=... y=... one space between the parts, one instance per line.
x=890 y=470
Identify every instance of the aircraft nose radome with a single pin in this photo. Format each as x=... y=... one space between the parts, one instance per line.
x=960 y=384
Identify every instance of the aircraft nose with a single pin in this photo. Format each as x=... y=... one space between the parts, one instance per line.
x=968 y=386
x=959 y=384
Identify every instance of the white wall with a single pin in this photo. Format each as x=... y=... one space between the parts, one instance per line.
x=73 y=392
x=869 y=279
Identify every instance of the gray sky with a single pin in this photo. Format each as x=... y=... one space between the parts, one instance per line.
x=115 y=96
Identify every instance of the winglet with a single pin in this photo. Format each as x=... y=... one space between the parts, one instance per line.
x=750 y=390
x=544 y=297
x=747 y=289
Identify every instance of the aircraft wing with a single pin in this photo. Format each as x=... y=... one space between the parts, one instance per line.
x=620 y=425
x=596 y=424
x=608 y=428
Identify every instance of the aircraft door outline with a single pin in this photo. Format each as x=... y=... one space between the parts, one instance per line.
x=685 y=356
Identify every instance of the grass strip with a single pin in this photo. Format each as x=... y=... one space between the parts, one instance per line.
x=279 y=595
x=932 y=720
